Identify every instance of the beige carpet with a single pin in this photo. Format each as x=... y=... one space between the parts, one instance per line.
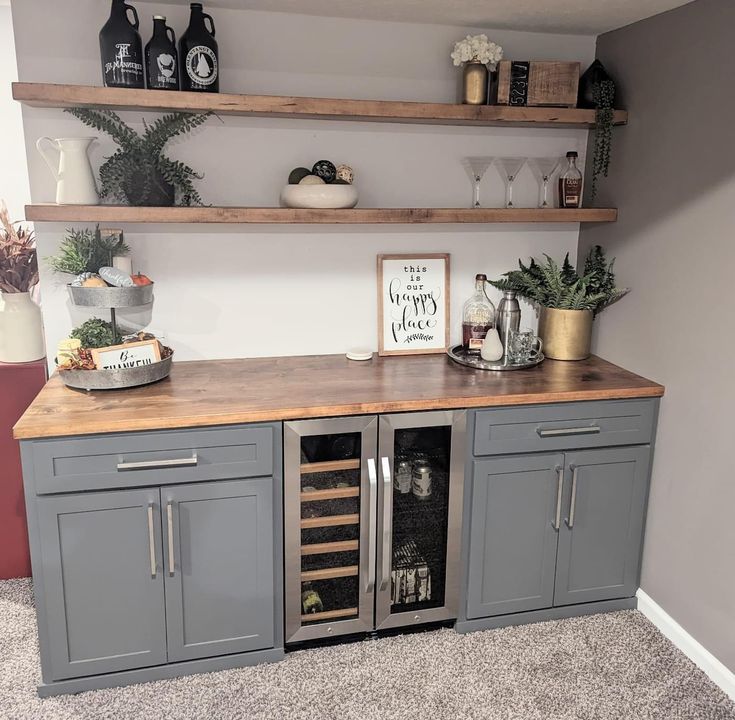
x=604 y=667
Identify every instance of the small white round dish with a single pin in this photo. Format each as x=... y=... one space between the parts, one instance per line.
x=319 y=197
x=359 y=354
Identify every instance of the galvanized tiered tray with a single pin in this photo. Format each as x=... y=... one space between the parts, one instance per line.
x=116 y=379
x=111 y=297
x=458 y=354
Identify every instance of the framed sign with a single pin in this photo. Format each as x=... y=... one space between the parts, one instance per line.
x=128 y=355
x=413 y=304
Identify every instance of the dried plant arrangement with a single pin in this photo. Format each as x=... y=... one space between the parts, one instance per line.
x=18 y=259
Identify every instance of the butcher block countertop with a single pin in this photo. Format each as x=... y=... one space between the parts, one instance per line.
x=222 y=392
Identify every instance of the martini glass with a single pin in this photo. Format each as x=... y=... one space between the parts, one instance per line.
x=544 y=168
x=476 y=168
x=509 y=167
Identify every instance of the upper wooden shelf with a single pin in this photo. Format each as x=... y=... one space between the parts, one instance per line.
x=63 y=96
x=283 y=216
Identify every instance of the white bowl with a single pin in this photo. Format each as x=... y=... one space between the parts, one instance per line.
x=319 y=197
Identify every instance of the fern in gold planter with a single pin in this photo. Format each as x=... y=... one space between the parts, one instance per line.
x=139 y=173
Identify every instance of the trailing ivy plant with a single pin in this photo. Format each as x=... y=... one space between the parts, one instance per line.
x=86 y=251
x=561 y=287
x=603 y=94
x=139 y=173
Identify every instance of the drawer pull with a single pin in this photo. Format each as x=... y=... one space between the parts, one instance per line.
x=152 y=464
x=559 y=432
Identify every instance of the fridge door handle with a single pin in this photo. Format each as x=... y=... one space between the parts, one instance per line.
x=387 y=522
x=372 y=524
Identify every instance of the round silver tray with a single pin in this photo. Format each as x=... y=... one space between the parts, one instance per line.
x=111 y=297
x=458 y=354
x=116 y=379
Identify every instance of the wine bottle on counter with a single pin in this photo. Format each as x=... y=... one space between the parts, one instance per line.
x=478 y=316
x=198 y=53
x=570 y=184
x=121 y=48
x=161 y=58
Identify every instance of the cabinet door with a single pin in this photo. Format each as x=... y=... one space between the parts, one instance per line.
x=219 y=567
x=103 y=583
x=600 y=538
x=420 y=517
x=513 y=533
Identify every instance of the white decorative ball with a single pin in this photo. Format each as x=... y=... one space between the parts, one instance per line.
x=346 y=173
x=311 y=180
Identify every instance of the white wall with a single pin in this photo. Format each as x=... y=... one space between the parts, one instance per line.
x=253 y=291
x=14 y=187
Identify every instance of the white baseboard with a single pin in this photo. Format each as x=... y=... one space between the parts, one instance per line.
x=696 y=652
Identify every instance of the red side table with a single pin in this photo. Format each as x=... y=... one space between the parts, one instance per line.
x=19 y=384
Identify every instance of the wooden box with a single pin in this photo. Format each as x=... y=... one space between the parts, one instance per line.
x=538 y=83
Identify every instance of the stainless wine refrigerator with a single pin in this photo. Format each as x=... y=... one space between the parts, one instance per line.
x=373 y=509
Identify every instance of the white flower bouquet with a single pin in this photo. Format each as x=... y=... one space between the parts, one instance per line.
x=477 y=48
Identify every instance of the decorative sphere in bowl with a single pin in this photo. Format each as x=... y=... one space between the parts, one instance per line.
x=319 y=197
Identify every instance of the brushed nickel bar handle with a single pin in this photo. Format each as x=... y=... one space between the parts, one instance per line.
x=573 y=501
x=559 y=432
x=151 y=464
x=151 y=541
x=372 y=525
x=559 y=488
x=170 y=527
x=387 y=520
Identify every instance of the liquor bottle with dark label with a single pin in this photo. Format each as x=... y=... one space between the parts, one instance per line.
x=198 y=53
x=478 y=316
x=161 y=58
x=570 y=184
x=121 y=48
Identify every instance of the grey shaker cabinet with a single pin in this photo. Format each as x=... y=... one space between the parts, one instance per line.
x=513 y=540
x=601 y=535
x=103 y=581
x=219 y=567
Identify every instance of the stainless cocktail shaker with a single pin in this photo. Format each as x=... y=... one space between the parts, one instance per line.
x=508 y=317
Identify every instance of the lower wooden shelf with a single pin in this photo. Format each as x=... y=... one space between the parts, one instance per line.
x=329 y=615
x=293 y=216
x=330 y=521
x=330 y=573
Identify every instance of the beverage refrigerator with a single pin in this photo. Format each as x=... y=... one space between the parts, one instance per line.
x=373 y=509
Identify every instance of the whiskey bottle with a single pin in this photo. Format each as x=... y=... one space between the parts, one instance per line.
x=570 y=184
x=478 y=316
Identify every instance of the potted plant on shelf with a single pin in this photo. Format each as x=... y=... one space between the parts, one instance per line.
x=477 y=54
x=567 y=302
x=138 y=173
x=21 y=327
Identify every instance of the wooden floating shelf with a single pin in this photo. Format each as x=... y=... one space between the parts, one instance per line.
x=330 y=521
x=292 y=216
x=330 y=466
x=329 y=615
x=330 y=547
x=330 y=573
x=47 y=95
x=330 y=494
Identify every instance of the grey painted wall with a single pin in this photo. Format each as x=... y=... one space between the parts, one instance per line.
x=673 y=179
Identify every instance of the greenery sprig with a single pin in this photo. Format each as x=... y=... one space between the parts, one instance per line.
x=553 y=286
x=603 y=94
x=139 y=171
x=86 y=251
x=96 y=333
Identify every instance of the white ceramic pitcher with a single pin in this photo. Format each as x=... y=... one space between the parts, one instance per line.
x=69 y=163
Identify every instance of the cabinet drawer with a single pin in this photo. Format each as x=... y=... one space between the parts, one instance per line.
x=153 y=458
x=564 y=426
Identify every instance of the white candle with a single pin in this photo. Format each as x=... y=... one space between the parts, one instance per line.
x=123 y=263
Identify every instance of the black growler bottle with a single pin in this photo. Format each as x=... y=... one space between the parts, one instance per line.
x=121 y=48
x=198 y=55
x=161 y=59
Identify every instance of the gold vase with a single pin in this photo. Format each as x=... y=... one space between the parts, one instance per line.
x=566 y=334
x=474 y=85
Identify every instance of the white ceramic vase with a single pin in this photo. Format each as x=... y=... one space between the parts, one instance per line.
x=68 y=161
x=21 y=328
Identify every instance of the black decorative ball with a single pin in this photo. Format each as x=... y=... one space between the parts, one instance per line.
x=297 y=175
x=325 y=170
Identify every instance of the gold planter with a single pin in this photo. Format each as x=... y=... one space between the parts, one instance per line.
x=567 y=334
x=474 y=86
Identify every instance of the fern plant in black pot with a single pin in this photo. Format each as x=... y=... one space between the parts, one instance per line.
x=138 y=173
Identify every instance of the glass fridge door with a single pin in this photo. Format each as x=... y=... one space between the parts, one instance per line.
x=330 y=503
x=421 y=468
